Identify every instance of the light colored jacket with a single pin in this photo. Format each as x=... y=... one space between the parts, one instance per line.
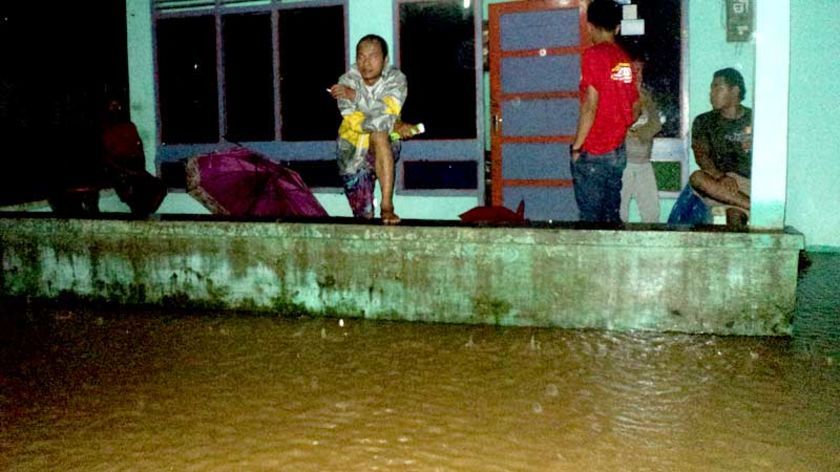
x=374 y=108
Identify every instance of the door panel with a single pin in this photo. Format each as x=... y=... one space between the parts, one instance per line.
x=543 y=27
x=535 y=49
x=545 y=203
x=537 y=74
x=534 y=161
x=539 y=117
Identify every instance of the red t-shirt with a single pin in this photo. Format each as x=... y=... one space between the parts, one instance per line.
x=607 y=68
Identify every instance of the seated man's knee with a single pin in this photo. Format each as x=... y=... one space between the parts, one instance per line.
x=379 y=137
x=697 y=178
x=700 y=179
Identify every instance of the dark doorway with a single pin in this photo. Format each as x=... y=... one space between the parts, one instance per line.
x=60 y=61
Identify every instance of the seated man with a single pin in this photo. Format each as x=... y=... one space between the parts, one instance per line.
x=722 y=144
x=370 y=98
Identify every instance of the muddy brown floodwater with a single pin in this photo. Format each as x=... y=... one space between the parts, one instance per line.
x=97 y=390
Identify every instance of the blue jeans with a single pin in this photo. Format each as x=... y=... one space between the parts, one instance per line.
x=597 y=180
x=689 y=209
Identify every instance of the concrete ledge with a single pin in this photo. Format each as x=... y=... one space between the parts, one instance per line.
x=645 y=278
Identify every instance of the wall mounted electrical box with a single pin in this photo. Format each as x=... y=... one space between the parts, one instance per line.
x=739 y=20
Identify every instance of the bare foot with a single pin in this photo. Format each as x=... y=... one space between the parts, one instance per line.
x=737 y=218
x=389 y=217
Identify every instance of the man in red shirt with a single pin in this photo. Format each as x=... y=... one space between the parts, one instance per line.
x=609 y=106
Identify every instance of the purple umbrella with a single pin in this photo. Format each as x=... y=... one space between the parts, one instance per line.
x=240 y=182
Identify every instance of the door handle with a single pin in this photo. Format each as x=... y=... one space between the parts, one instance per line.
x=497 y=122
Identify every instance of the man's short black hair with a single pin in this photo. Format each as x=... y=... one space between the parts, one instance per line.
x=732 y=78
x=383 y=45
x=604 y=14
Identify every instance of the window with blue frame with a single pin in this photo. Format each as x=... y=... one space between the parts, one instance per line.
x=187 y=83
x=228 y=56
x=249 y=78
x=311 y=59
x=437 y=53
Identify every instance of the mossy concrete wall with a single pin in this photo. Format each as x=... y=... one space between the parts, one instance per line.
x=688 y=281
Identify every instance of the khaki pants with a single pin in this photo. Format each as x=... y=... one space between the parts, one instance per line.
x=639 y=182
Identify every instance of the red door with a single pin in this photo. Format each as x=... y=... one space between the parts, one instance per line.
x=535 y=50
